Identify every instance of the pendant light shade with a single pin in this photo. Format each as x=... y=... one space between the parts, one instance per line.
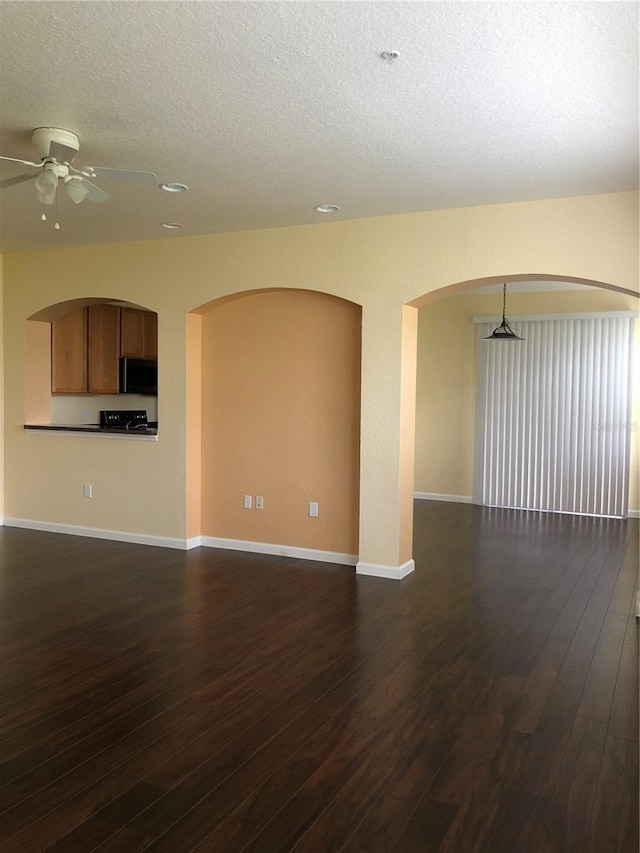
x=504 y=332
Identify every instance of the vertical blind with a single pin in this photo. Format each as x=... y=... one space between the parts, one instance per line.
x=553 y=416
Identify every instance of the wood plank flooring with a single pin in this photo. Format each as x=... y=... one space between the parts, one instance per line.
x=217 y=701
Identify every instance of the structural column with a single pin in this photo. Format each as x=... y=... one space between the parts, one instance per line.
x=387 y=439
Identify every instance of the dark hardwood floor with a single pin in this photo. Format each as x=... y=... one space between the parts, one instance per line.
x=219 y=701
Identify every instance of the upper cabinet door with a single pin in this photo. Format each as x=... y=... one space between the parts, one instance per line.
x=149 y=334
x=130 y=332
x=139 y=333
x=69 y=353
x=104 y=348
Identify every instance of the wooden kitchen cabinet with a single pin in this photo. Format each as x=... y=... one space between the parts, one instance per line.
x=69 y=353
x=149 y=334
x=85 y=351
x=103 y=336
x=138 y=333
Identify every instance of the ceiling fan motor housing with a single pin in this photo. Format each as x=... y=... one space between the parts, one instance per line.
x=43 y=137
x=58 y=170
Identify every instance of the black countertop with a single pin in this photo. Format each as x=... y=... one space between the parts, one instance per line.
x=150 y=429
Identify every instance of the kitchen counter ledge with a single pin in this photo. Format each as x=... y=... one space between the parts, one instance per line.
x=95 y=430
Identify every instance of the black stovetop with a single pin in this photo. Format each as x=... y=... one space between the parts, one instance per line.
x=128 y=419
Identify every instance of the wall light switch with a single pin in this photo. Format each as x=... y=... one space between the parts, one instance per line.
x=259 y=502
x=247 y=501
x=313 y=509
x=87 y=490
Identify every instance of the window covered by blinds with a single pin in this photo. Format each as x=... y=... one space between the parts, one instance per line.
x=553 y=416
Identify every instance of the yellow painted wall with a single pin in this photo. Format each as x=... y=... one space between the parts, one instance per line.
x=634 y=477
x=1 y=386
x=446 y=386
x=408 y=369
x=379 y=263
x=37 y=374
x=281 y=419
x=193 y=377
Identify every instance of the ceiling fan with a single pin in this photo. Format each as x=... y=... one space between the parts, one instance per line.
x=57 y=150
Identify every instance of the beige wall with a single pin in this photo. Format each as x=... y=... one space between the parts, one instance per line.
x=380 y=264
x=446 y=387
x=193 y=483
x=407 y=429
x=37 y=379
x=1 y=388
x=281 y=419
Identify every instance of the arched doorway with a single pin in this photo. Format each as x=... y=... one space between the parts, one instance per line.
x=446 y=369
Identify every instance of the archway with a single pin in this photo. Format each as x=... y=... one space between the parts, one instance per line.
x=85 y=340
x=455 y=441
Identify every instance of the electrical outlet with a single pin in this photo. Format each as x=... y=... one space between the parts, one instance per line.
x=259 y=502
x=85 y=416
x=313 y=509
x=87 y=490
x=247 y=501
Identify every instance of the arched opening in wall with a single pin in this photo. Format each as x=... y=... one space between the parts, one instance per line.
x=273 y=423
x=86 y=356
x=450 y=443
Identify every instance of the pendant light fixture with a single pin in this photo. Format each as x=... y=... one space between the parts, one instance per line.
x=504 y=332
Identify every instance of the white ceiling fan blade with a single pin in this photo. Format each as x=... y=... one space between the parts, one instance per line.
x=9 y=182
x=23 y=162
x=95 y=194
x=147 y=178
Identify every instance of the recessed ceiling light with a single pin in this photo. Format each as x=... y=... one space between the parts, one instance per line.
x=389 y=55
x=172 y=225
x=327 y=208
x=172 y=187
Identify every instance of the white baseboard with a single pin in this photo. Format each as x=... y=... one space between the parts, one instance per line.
x=393 y=572
x=466 y=499
x=186 y=544
x=455 y=499
x=279 y=550
x=98 y=533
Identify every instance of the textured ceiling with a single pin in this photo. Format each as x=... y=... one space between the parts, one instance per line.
x=267 y=109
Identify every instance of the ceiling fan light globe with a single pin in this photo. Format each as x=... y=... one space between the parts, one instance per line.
x=76 y=191
x=46 y=184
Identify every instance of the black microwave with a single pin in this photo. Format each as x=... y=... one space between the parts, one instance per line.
x=139 y=376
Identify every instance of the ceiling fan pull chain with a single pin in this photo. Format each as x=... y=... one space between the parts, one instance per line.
x=44 y=215
x=57 y=225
